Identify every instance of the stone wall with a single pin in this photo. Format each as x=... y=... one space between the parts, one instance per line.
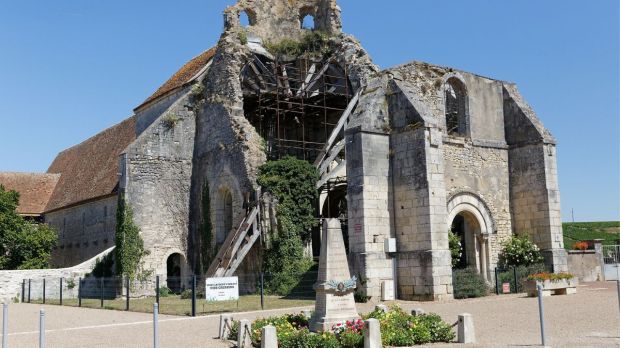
x=156 y=171
x=534 y=191
x=276 y=20
x=84 y=230
x=11 y=281
x=585 y=265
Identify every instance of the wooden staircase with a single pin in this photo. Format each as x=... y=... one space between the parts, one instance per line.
x=332 y=148
x=236 y=246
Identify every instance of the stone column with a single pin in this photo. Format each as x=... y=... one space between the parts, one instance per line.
x=482 y=239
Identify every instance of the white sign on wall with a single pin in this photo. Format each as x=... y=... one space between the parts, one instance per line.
x=222 y=289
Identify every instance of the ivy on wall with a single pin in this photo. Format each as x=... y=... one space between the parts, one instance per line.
x=206 y=229
x=292 y=182
x=129 y=244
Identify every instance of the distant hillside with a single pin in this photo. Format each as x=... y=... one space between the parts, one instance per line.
x=577 y=231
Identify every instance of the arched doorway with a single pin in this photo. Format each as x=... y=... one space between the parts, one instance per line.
x=224 y=216
x=173 y=272
x=470 y=219
x=465 y=226
x=335 y=206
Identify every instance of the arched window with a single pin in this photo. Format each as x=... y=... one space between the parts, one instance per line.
x=224 y=216
x=456 y=107
x=306 y=18
x=247 y=18
x=307 y=22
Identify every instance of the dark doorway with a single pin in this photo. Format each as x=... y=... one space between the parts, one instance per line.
x=173 y=273
x=335 y=206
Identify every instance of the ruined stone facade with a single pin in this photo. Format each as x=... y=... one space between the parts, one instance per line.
x=421 y=149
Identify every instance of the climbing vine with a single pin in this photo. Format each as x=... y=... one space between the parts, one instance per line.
x=292 y=182
x=206 y=229
x=129 y=244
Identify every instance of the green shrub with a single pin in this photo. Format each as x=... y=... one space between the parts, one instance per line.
x=456 y=249
x=312 y=42
x=292 y=182
x=519 y=251
x=186 y=294
x=305 y=339
x=234 y=330
x=104 y=267
x=400 y=329
x=164 y=291
x=361 y=297
x=351 y=339
x=469 y=283
x=285 y=325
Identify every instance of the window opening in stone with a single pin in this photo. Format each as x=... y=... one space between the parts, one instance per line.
x=173 y=273
x=307 y=22
x=456 y=107
x=294 y=103
x=246 y=18
x=224 y=216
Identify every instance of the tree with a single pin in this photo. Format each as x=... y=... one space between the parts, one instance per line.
x=23 y=244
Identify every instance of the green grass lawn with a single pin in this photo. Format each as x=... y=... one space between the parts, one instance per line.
x=578 y=231
x=175 y=305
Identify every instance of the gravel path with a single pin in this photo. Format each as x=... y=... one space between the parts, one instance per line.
x=590 y=318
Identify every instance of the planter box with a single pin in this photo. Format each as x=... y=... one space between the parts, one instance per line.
x=557 y=287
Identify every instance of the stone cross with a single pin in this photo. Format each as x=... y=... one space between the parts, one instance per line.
x=334 y=287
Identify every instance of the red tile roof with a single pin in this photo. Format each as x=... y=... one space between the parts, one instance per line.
x=90 y=169
x=182 y=76
x=35 y=190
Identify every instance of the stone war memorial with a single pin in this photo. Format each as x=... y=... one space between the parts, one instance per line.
x=334 y=287
x=403 y=155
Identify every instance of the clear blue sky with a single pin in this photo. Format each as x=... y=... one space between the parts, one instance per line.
x=69 y=69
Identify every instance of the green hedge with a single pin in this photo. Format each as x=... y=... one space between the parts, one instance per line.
x=467 y=283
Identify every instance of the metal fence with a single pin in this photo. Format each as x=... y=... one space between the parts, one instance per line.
x=511 y=279
x=174 y=295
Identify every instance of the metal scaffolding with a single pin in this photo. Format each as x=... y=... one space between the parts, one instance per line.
x=294 y=105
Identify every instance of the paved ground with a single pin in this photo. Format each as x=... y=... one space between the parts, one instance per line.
x=591 y=318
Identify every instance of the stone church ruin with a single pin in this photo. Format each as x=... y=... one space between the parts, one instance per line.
x=404 y=155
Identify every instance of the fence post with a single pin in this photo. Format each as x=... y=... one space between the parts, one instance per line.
x=23 y=289
x=5 y=325
x=43 y=290
x=194 y=295
x=101 y=292
x=29 y=283
x=262 y=290
x=80 y=292
x=61 y=291
x=42 y=328
x=541 y=313
x=155 y=326
x=127 y=287
x=514 y=272
x=157 y=289
x=496 y=281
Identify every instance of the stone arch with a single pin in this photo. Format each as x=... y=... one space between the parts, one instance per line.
x=247 y=17
x=456 y=104
x=307 y=17
x=470 y=218
x=176 y=269
x=472 y=203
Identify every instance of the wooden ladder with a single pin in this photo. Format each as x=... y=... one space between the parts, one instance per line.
x=236 y=246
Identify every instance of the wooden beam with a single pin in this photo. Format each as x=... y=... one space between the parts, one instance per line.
x=331 y=175
x=338 y=128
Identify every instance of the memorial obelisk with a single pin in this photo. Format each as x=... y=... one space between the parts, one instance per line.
x=334 y=287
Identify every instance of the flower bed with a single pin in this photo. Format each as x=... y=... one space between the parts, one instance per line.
x=398 y=329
